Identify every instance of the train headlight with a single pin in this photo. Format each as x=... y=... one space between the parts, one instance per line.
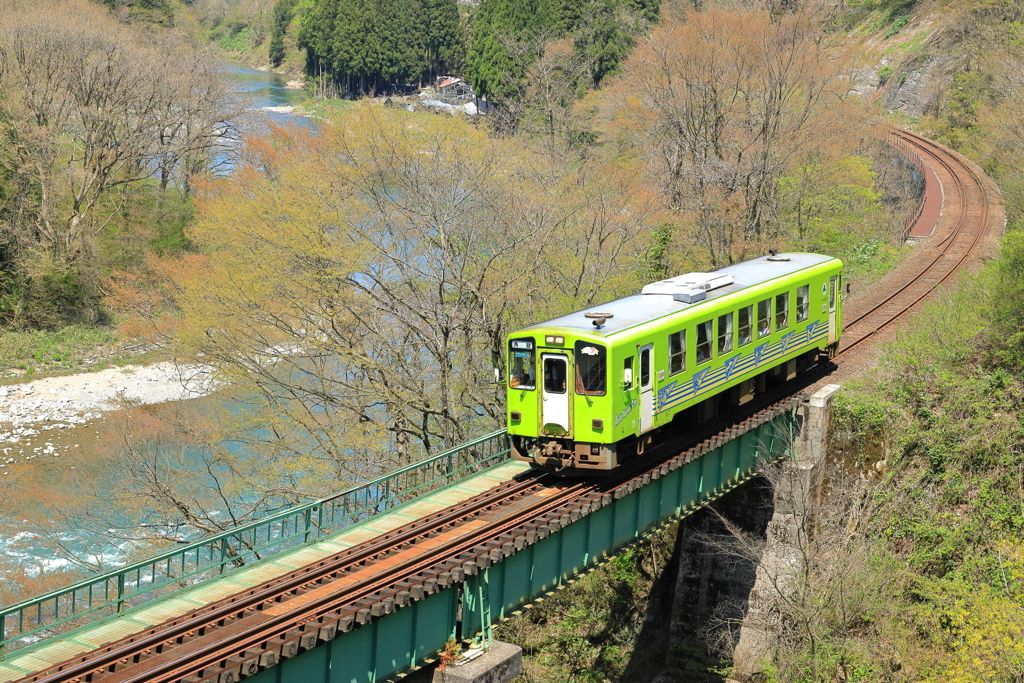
x=552 y=339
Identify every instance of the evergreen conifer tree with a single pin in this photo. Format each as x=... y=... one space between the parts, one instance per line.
x=442 y=36
x=355 y=44
x=316 y=35
x=398 y=29
x=493 y=69
x=604 y=37
x=284 y=11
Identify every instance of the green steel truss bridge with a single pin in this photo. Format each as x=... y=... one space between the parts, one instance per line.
x=370 y=583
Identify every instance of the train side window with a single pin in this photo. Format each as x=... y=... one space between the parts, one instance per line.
x=764 y=318
x=832 y=293
x=803 y=303
x=676 y=352
x=781 y=311
x=745 y=329
x=704 y=335
x=522 y=361
x=591 y=375
x=725 y=333
x=627 y=373
x=645 y=368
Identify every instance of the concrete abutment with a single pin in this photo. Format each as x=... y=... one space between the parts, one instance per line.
x=796 y=495
x=500 y=663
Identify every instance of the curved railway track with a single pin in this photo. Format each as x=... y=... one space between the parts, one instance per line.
x=970 y=207
x=243 y=634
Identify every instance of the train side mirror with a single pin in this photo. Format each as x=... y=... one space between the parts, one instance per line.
x=847 y=287
x=627 y=378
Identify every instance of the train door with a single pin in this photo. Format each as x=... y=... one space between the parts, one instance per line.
x=833 y=286
x=555 y=393
x=646 y=389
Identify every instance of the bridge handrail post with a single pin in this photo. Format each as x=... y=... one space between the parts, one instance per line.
x=308 y=521
x=223 y=553
x=120 y=593
x=3 y=633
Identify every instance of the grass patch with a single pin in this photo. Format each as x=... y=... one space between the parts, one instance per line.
x=242 y=41
x=77 y=348
x=871 y=16
x=897 y=25
x=870 y=260
x=914 y=46
x=325 y=109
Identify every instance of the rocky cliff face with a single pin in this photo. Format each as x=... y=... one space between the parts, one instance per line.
x=915 y=91
x=691 y=626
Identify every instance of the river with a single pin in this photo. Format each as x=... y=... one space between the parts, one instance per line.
x=271 y=97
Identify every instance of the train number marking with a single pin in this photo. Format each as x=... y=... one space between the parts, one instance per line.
x=625 y=412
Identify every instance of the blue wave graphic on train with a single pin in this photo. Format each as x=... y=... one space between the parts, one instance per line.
x=704 y=380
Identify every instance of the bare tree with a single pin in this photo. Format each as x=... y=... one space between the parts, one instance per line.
x=1002 y=120
x=92 y=106
x=541 y=103
x=724 y=102
x=819 y=587
x=197 y=120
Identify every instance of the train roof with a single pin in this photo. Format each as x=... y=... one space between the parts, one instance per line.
x=637 y=309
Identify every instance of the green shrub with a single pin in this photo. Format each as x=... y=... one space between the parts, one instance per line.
x=63 y=350
x=1005 y=310
x=898 y=25
x=241 y=40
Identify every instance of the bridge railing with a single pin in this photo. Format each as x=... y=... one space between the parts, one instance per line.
x=113 y=592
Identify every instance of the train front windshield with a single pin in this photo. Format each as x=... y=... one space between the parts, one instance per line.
x=522 y=364
x=591 y=371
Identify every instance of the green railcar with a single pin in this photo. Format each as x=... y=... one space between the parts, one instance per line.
x=590 y=389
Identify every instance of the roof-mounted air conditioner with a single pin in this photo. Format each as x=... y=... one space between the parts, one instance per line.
x=688 y=285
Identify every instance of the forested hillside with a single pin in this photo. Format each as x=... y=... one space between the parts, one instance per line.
x=918 y=565
x=939 y=423
x=363 y=44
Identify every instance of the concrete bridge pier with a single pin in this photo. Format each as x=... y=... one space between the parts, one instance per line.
x=796 y=494
x=499 y=664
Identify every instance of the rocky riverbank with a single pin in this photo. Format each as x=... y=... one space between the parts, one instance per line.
x=61 y=402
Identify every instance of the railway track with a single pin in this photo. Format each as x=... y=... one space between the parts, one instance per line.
x=970 y=208
x=248 y=632
x=251 y=631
